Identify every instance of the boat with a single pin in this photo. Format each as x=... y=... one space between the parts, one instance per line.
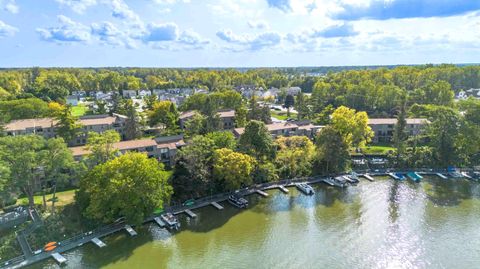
x=305 y=188
x=50 y=248
x=329 y=181
x=340 y=181
x=238 y=201
x=170 y=220
x=378 y=161
x=354 y=176
x=400 y=176
x=414 y=176
x=452 y=172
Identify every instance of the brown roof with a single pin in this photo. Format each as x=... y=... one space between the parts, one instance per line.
x=394 y=121
x=187 y=114
x=108 y=120
x=271 y=127
x=129 y=145
x=122 y=145
x=18 y=125
x=227 y=114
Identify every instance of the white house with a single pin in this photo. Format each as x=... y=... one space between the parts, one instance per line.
x=72 y=100
x=129 y=93
x=143 y=93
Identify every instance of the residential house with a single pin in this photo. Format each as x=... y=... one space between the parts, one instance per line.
x=46 y=127
x=384 y=128
x=129 y=93
x=163 y=149
x=72 y=100
x=294 y=91
x=287 y=129
x=227 y=116
x=144 y=93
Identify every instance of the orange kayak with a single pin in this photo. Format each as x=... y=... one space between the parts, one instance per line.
x=50 y=244
x=50 y=248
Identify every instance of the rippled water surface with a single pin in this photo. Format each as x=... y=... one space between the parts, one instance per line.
x=381 y=224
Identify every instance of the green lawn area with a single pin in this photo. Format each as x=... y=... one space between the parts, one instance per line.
x=377 y=150
x=281 y=115
x=79 y=110
x=63 y=198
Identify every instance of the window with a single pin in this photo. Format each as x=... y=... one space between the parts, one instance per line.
x=149 y=149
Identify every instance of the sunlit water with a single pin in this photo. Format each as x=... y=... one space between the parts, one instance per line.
x=381 y=224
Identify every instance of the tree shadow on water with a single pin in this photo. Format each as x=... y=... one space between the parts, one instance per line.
x=451 y=192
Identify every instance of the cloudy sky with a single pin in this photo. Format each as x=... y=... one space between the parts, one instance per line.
x=237 y=33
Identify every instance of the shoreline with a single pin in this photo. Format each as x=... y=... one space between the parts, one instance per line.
x=80 y=239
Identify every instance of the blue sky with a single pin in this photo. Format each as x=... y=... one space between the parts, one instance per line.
x=237 y=33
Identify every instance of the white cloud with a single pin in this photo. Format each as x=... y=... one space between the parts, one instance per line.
x=12 y=7
x=6 y=30
x=260 y=24
x=122 y=11
x=78 y=6
x=68 y=31
x=170 y=2
x=250 y=42
x=109 y=34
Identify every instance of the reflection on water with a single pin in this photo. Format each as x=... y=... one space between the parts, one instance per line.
x=381 y=224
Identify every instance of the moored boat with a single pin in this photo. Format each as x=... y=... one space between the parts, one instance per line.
x=238 y=201
x=171 y=221
x=305 y=188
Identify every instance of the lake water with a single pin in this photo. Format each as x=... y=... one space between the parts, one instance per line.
x=381 y=224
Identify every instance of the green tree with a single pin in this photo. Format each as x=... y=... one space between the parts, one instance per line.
x=192 y=172
x=21 y=163
x=289 y=102
x=233 y=169
x=67 y=125
x=240 y=116
x=58 y=166
x=400 y=135
x=132 y=125
x=352 y=125
x=101 y=147
x=332 y=151
x=301 y=105
x=166 y=114
x=294 y=156
x=223 y=139
x=130 y=186
x=257 y=141
x=195 y=125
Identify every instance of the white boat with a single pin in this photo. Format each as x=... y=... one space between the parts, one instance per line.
x=171 y=221
x=305 y=188
x=238 y=201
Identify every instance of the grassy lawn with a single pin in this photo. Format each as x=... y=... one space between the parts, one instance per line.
x=377 y=150
x=63 y=198
x=281 y=115
x=79 y=110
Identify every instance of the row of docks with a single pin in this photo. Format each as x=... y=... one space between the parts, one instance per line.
x=168 y=220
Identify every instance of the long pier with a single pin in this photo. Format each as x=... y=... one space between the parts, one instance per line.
x=93 y=236
x=367 y=176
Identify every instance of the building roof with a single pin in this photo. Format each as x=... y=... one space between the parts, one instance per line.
x=382 y=121
x=131 y=145
x=187 y=114
x=97 y=121
x=271 y=127
x=122 y=145
x=18 y=125
x=227 y=113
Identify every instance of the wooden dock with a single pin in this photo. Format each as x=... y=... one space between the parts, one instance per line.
x=216 y=205
x=262 y=193
x=190 y=213
x=442 y=176
x=392 y=175
x=98 y=242
x=367 y=176
x=159 y=222
x=283 y=189
x=59 y=258
x=465 y=175
x=130 y=230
